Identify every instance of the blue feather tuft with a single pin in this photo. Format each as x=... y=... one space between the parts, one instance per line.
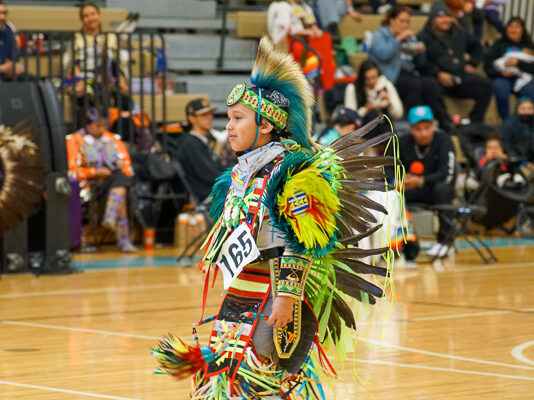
x=219 y=192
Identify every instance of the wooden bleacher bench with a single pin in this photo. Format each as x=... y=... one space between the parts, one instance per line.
x=175 y=106
x=250 y=24
x=411 y=3
x=56 y=61
x=350 y=27
x=60 y=18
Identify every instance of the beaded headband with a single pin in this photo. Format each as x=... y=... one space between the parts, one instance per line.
x=269 y=110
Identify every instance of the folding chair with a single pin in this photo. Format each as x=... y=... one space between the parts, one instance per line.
x=461 y=216
x=201 y=207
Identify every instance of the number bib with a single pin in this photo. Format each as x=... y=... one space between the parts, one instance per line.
x=238 y=251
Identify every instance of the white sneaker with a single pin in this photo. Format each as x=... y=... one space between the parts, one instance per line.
x=384 y=9
x=440 y=250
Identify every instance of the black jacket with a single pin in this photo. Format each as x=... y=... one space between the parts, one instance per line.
x=518 y=137
x=440 y=57
x=499 y=48
x=201 y=166
x=438 y=158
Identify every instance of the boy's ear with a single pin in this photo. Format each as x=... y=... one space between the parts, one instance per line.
x=266 y=127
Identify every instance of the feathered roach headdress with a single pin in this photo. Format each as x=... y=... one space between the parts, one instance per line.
x=21 y=175
x=281 y=93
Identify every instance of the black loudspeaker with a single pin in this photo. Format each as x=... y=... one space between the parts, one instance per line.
x=56 y=128
x=20 y=101
x=14 y=249
x=47 y=235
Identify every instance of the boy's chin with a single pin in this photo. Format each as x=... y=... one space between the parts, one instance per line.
x=237 y=148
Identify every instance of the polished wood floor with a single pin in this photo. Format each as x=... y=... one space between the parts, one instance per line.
x=461 y=330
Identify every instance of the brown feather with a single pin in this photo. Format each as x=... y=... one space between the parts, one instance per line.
x=358 y=201
x=359 y=267
x=345 y=141
x=369 y=162
x=366 y=184
x=354 y=239
x=355 y=252
x=353 y=221
x=22 y=187
x=359 y=148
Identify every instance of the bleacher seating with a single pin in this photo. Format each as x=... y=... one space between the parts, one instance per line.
x=192 y=35
x=350 y=27
x=59 y=18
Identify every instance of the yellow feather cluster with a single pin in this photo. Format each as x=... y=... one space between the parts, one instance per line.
x=314 y=224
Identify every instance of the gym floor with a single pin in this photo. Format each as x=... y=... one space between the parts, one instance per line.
x=457 y=330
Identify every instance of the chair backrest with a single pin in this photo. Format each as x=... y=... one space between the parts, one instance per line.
x=183 y=178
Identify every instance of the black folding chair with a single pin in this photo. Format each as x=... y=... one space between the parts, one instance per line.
x=201 y=207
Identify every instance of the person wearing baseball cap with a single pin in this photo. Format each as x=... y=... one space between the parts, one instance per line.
x=200 y=164
x=344 y=120
x=429 y=158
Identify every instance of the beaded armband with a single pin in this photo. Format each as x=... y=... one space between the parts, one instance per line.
x=288 y=275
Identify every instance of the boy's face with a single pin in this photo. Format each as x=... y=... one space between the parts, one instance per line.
x=97 y=128
x=494 y=150
x=423 y=132
x=241 y=129
x=525 y=108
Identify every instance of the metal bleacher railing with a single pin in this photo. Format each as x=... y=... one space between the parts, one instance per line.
x=138 y=59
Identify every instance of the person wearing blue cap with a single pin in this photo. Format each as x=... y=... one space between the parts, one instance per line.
x=429 y=159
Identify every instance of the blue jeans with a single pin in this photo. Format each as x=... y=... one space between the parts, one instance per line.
x=503 y=87
x=377 y=3
x=492 y=16
x=329 y=11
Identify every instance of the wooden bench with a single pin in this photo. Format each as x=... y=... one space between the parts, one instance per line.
x=55 y=64
x=350 y=27
x=250 y=24
x=59 y=18
x=175 y=106
x=411 y=3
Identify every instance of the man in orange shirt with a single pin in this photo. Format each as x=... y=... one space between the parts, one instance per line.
x=95 y=154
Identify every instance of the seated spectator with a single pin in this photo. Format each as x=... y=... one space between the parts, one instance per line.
x=490 y=13
x=400 y=56
x=94 y=81
x=9 y=53
x=344 y=121
x=373 y=94
x=200 y=164
x=518 y=133
x=330 y=12
x=97 y=156
x=429 y=159
x=506 y=176
x=510 y=66
x=447 y=46
x=295 y=18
